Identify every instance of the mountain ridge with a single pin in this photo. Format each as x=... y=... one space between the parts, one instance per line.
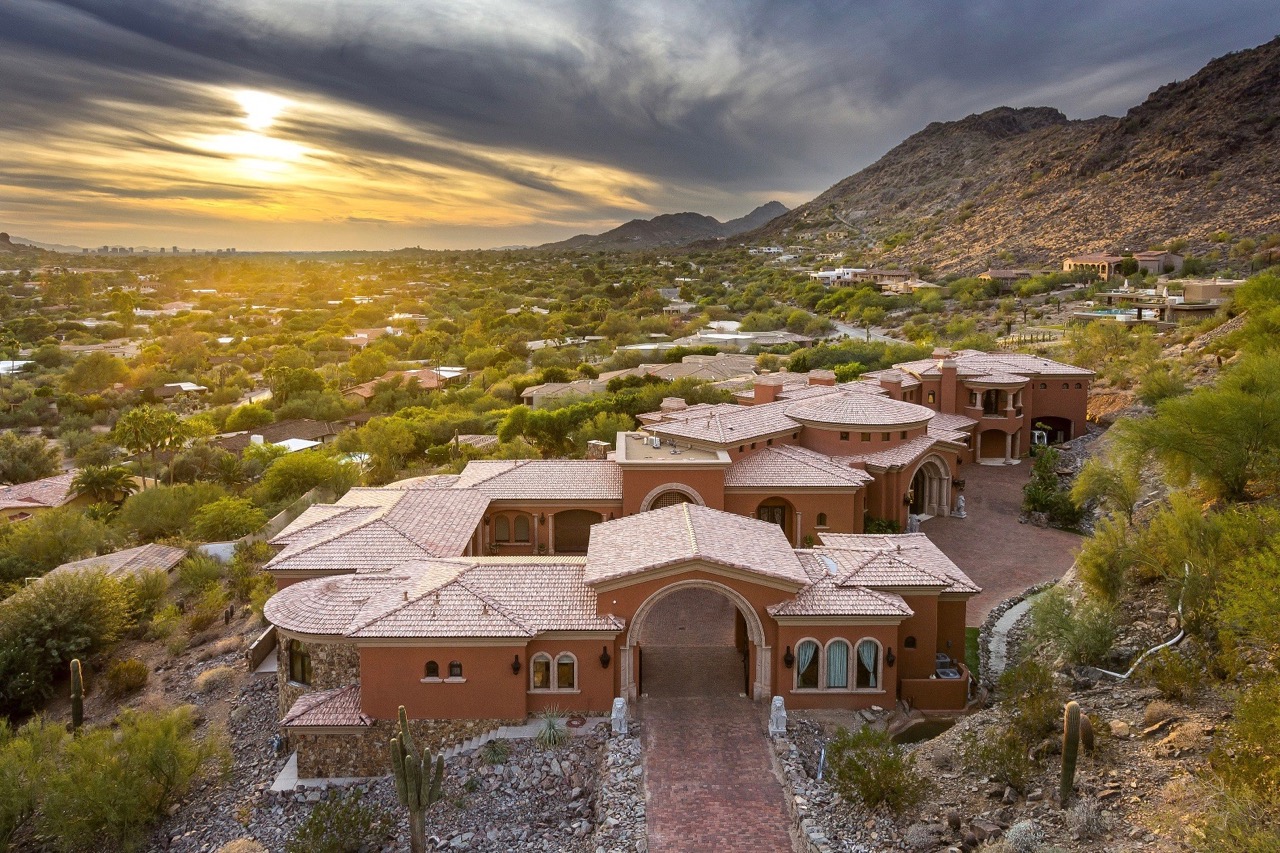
x=670 y=230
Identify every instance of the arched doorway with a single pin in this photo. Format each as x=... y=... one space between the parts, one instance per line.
x=695 y=638
x=572 y=530
x=779 y=511
x=931 y=488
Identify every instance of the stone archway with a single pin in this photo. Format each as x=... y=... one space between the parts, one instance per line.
x=931 y=487
x=758 y=654
x=669 y=494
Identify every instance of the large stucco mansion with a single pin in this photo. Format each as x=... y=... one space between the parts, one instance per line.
x=520 y=584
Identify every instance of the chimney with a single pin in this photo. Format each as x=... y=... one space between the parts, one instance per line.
x=822 y=377
x=765 y=392
x=947 y=403
x=257 y=439
x=597 y=449
x=893 y=385
x=672 y=404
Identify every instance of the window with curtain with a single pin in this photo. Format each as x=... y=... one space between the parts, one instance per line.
x=522 y=528
x=501 y=529
x=868 y=665
x=838 y=665
x=432 y=670
x=566 y=672
x=455 y=669
x=807 y=665
x=299 y=663
x=540 y=672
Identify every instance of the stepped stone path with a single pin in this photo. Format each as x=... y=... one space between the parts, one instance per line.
x=709 y=777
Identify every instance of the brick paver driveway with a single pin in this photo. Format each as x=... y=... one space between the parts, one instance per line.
x=709 y=778
x=1001 y=555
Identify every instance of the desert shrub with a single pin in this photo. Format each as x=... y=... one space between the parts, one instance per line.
x=50 y=539
x=882 y=525
x=1105 y=558
x=166 y=510
x=227 y=518
x=1080 y=631
x=1032 y=700
x=146 y=590
x=208 y=609
x=45 y=625
x=112 y=784
x=26 y=756
x=1045 y=493
x=1084 y=819
x=342 y=823
x=1172 y=674
x=199 y=572
x=215 y=678
x=164 y=622
x=1158 y=712
x=1161 y=382
x=553 y=732
x=1002 y=755
x=126 y=676
x=869 y=764
x=1243 y=813
x=496 y=751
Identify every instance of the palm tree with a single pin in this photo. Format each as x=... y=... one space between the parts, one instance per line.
x=104 y=483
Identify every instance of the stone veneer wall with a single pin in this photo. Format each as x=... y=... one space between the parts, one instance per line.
x=365 y=751
x=332 y=665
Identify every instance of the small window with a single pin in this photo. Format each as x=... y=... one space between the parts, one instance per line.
x=909 y=643
x=769 y=443
x=432 y=670
x=502 y=529
x=753 y=445
x=844 y=436
x=973 y=398
x=838 y=665
x=455 y=669
x=903 y=435
x=1043 y=386
x=866 y=436
x=884 y=436
x=566 y=672
x=299 y=663
x=807 y=665
x=742 y=448
x=1066 y=386
x=540 y=672
x=794 y=436
x=822 y=519
x=1078 y=385
x=933 y=397
x=522 y=528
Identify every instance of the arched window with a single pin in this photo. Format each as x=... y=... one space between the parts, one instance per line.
x=868 y=665
x=522 y=528
x=299 y=663
x=540 y=672
x=1043 y=386
x=822 y=519
x=1078 y=385
x=432 y=669
x=455 y=669
x=838 y=665
x=566 y=672
x=670 y=498
x=502 y=529
x=909 y=643
x=807 y=665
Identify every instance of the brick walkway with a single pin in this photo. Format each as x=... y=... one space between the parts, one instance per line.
x=1001 y=555
x=709 y=778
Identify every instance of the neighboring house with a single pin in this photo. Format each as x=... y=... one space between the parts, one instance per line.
x=129 y=562
x=711 y=368
x=538 y=396
x=286 y=433
x=483 y=443
x=21 y=501
x=1101 y=264
x=1158 y=262
x=423 y=378
x=852 y=622
x=1007 y=278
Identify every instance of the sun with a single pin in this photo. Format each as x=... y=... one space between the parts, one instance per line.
x=260 y=108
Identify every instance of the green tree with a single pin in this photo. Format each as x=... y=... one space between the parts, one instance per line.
x=389 y=442
x=104 y=483
x=292 y=476
x=95 y=372
x=24 y=458
x=1116 y=487
x=166 y=510
x=1222 y=438
x=248 y=416
x=50 y=538
x=148 y=429
x=227 y=518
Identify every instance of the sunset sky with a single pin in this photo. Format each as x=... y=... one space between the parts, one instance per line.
x=376 y=124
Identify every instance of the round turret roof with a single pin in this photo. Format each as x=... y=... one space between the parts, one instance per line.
x=858 y=410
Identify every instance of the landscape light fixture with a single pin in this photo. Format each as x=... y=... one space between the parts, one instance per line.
x=889 y=658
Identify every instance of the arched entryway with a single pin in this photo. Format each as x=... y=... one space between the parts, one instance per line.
x=695 y=638
x=931 y=488
x=572 y=530
x=779 y=511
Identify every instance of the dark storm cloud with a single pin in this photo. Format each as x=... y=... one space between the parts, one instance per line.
x=743 y=97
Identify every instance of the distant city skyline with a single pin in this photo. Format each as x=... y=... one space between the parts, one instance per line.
x=306 y=125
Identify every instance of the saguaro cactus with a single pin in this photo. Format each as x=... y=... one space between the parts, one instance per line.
x=1070 y=749
x=419 y=781
x=77 y=696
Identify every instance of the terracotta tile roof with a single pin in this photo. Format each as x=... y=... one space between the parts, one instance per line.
x=894 y=457
x=47 y=493
x=891 y=375
x=727 y=424
x=304 y=428
x=825 y=597
x=975 y=363
x=544 y=479
x=685 y=532
x=327 y=708
x=461 y=597
x=130 y=561
x=855 y=409
x=908 y=559
x=479 y=442
x=380 y=528
x=785 y=466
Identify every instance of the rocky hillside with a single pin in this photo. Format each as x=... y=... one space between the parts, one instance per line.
x=670 y=230
x=1028 y=186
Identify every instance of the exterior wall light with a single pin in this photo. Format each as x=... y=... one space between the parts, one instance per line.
x=788 y=659
x=889 y=658
x=515 y=665
x=604 y=657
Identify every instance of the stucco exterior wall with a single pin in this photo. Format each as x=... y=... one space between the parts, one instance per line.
x=639 y=482
x=918 y=662
x=843 y=511
x=784 y=681
x=595 y=690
